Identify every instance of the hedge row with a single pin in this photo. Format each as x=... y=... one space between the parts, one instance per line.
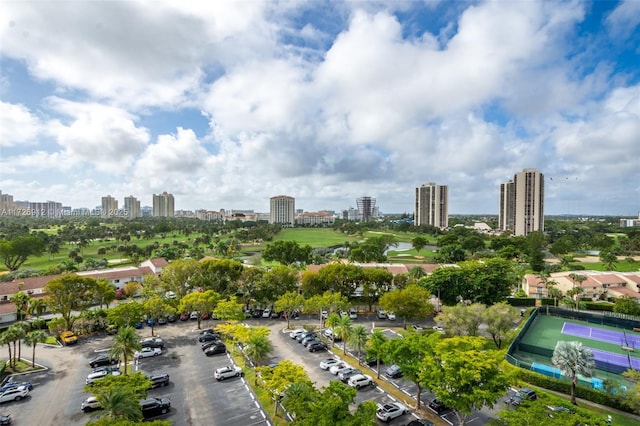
x=521 y=301
x=595 y=306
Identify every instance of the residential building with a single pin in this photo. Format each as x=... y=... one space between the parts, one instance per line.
x=522 y=203
x=163 y=205
x=132 y=207
x=350 y=214
x=109 y=206
x=432 y=205
x=366 y=208
x=282 y=210
x=50 y=209
x=630 y=222
x=597 y=285
x=315 y=219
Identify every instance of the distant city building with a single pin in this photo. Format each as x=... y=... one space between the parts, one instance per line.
x=282 y=210
x=315 y=219
x=50 y=209
x=109 y=206
x=132 y=207
x=366 y=208
x=350 y=214
x=432 y=205
x=630 y=222
x=163 y=205
x=147 y=211
x=522 y=203
x=184 y=213
x=6 y=203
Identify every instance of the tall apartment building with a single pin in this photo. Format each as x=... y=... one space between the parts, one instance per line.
x=366 y=208
x=109 y=206
x=132 y=207
x=50 y=209
x=522 y=203
x=163 y=205
x=432 y=205
x=282 y=210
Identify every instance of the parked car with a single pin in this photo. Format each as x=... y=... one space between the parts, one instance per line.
x=257 y=313
x=391 y=316
x=309 y=339
x=275 y=314
x=184 y=316
x=147 y=353
x=12 y=385
x=102 y=360
x=193 y=315
x=437 y=406
x=227 y=372
x=523 y=394
x=159 y=380
x=417 y=327
x=138 y=325
x=360 y=380
x=68 y=338
x=152 y=407
x=344 y=314
x=162 y=320
x=317 y=346
x=393 y=371
x=14 y=394
x=208 y=344
x=326 y=364
x=559 y=409
x=381 y=314
x=295 y=333
x=438 y=328
x=5 y=419
x=90 y=404
x=215 y=350
x=100 y=374
x=390 y=411
x=172 y=318
x=346 y=373
x=152 y=342
x=151 y=322
x=304 y=335
x=353 y=313
x=420 y=422
x=324 y=314
x=336 y=368
x=208 y=337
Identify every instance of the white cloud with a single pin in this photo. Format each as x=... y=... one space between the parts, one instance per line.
x=18 y=125
x=624 y=19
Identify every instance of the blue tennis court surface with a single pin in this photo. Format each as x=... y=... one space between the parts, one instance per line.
x=608 y=336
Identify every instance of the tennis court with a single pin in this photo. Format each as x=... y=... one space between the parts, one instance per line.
x=615 y=337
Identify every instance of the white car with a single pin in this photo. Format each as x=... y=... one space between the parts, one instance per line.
x=324 y=314
x=391 y=316
x=100 y=374
x=328 y=363
x=266 y=313
x=390 y=411
x=295 y=333
x=360 y=380
x=227 y=372
x=15 y=394
x=340 y=366
x=90 y=404
x=344 y=314
x=438 y=328
x=353 y=314
x=147 y=353
x=194 y=315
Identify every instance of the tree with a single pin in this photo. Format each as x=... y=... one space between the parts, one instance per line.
x=179 y=276
x=16 y=251
x=463 y=375
x=126 y=314
x=37 y=307
x=500 y=319
x=7 y=338
x=343 y=328
x=287 y=252
x=201 y=302
x=626 y=305
x=376 y=281
x=535 y=246
x=376 y=347
x=633 y=395
x=258 y=347
x=125 y=343
x=119 y=403
x=419 y=243
x=358 y=340
x=276 y=282
x=21 y=300
x=70 y=293
x=573 y=359
x=229 y=310
x=105 y=292
x=282 y=380
x=408 y=303
x=32 y=339
x=156 y=307
x=289 y=302
x=609 y=259
x=219 y=275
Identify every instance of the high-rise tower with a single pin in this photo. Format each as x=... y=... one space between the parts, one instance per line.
x=432 y=205
x=522 y=203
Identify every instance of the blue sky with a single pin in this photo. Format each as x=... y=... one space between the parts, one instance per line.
x=226 y=104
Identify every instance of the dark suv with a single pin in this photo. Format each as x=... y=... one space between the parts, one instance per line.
x=152 y=407
x=152 y=342
x=102 y=360
x=159 y=380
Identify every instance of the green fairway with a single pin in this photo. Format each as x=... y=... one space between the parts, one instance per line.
x=315 y=237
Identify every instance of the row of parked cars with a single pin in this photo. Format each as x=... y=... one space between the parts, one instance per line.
x=211 y=343
x=309 y=339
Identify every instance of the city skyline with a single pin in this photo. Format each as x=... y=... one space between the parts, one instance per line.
x=228 y=103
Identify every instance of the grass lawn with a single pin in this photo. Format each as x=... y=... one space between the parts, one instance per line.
x=315 y=237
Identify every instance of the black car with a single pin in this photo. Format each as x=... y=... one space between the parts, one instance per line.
x=153 y=407
x=208 y=337
x=159 y=380
x=257 y=313
x=152 y=342
x=172 y=318
x=102 y=360
x=308 y=340
x=393 y=372
x=437 y=406
x=317 y=346
x=215 y=350
x=206 y=345
x=302 y=336
x=420 y=422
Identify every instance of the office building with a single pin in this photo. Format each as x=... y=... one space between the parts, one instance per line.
x=132 y=207
x=366 y=208
x=163 y=205
x=282 y=210
x=109 y=207
x=432 y=205
x=522 y=203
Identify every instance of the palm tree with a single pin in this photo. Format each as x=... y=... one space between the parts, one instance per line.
x=22 y=328
x=358 y=340
x=556 y=293
x=258 y=347
x=119 y=402
x=125 y=343
x=376 y=346
x=32 y=339
x=332 y=321
x=343 y=328
x=37 y=307
x=5 y=339
x=573 y=359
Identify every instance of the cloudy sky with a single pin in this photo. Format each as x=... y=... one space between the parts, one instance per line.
x=228 y=103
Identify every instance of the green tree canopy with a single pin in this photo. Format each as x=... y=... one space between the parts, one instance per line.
x=408 y=303
x=229 y=310
x=70 y=293
x=16 y=251
x=126 y=314
x=287 y=252
x=201 y=302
